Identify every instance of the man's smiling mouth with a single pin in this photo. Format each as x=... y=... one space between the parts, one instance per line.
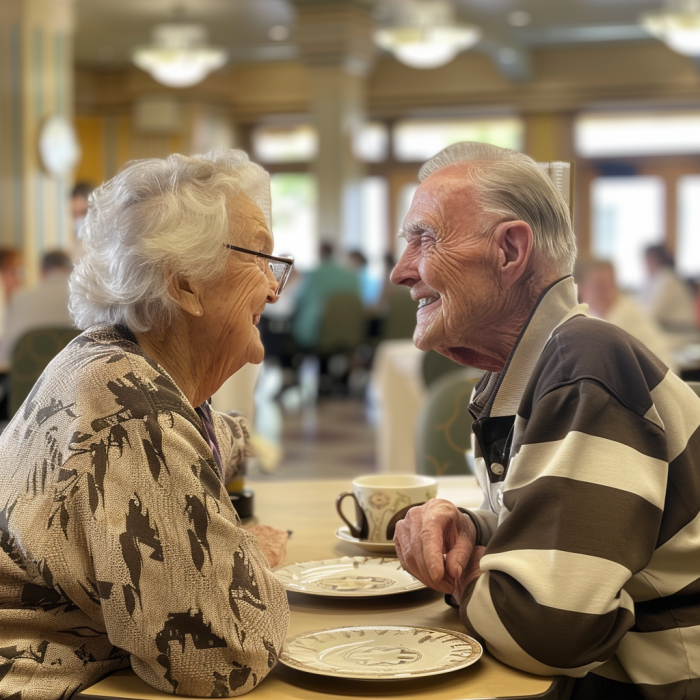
x=426 y=301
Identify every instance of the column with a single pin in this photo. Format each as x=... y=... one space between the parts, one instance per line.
x=335 y=43
x=36 y=82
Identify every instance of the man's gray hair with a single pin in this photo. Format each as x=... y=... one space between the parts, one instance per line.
x=155 y=220
x=513 y=186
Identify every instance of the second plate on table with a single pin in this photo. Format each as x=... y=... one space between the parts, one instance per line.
x=380 y=652
x=343 y=534
x=348 y=577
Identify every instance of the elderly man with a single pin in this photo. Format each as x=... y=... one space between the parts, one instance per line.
x=584 y=558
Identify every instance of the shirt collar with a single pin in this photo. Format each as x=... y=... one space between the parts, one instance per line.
x=557 y=304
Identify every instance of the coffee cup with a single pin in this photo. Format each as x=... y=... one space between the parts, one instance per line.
x=382 y=500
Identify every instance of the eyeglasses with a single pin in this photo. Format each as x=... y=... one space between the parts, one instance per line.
x=280 y=267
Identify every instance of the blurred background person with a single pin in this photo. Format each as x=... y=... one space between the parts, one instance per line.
x=597 y=287
x=11 y=278
x=370 y=286
x=42 y=306
x=666 y=297
x=316 y=287
x=78 y=208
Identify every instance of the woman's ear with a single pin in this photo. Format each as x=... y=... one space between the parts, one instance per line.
x=186 y=295
x=514 y=240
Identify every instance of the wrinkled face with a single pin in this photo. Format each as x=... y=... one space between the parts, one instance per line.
x=233 y=304
x=450 y=265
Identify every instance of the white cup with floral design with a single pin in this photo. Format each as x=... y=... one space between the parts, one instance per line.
x=382 y=500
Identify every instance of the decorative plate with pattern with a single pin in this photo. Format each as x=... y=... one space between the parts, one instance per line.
x=380 y=652
x=348 y=577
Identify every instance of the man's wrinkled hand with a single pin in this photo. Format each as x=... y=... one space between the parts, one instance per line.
x=471 y=573
x=272 y=542
x=434 y=543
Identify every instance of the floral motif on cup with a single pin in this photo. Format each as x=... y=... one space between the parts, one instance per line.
x=379 y=500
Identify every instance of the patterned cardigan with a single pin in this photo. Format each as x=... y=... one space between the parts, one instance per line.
x=118 y=542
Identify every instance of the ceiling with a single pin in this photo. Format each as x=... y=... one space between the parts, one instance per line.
x=107 y=30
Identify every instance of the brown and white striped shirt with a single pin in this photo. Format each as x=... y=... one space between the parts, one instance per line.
x=588 y=452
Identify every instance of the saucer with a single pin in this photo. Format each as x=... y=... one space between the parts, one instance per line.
x=343 y=534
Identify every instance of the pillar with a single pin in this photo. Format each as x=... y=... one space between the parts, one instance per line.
x=335 y=44
x=36 y=82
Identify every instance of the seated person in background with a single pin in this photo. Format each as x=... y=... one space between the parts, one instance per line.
x=79 y=197
x=584 y=558
x=11 y=277
x=120 y=545
x=315 y=288
x=42 y=306
x=370 y=287
x=666 y=297
x=598 y=288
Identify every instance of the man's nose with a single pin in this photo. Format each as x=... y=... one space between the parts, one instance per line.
x=405 y=273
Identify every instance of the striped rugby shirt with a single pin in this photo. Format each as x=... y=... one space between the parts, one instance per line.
x=588 y=452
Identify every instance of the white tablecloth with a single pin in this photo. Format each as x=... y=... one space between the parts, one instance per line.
x=399 y=392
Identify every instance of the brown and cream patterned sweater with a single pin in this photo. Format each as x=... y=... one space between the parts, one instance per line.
x=588 y=452
x=118 y=542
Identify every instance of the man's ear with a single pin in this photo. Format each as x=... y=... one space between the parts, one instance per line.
x=514 y=241
x=186 y=295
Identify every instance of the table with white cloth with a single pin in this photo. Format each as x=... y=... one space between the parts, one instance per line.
x=399 y=392
x=308 y=509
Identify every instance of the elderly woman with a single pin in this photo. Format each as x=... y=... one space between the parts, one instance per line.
x=119 y=543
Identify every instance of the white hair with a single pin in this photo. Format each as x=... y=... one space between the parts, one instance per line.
x=155 y=220
x=512 y=185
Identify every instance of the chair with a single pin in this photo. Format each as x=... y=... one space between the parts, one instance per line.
x=30 y=357
x=695 y=386
x=443 y=431
x=342 y=325
x=400 y=321
x=436 y=365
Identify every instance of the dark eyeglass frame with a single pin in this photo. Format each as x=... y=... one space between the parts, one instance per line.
x=289 y=262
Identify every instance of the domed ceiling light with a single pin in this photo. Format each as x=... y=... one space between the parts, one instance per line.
x=678 y=26
x=426 y=35
x=179 y=55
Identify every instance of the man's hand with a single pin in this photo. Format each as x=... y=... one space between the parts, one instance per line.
x=272 y=542
x=472 y=572
x=434 y=543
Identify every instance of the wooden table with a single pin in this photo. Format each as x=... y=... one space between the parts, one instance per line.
x=308 y=509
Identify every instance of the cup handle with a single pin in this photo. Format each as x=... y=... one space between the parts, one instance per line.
x=391 y=527
x=361 y=529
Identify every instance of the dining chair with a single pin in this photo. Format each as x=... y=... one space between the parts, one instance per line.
x=30 y=357
x=342 y=326
x=400 y=320
x=443 y=430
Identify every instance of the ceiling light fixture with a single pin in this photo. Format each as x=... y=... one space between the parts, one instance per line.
x=179 y=55
x=678 y=26
x=426 y=36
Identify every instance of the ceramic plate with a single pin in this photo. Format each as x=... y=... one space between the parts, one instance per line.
x=348 y=577
x=380 y=652
x=380 y=547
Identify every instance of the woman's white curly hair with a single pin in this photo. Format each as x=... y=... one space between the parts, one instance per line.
x=154 y=220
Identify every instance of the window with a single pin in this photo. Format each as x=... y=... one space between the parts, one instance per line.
x=371 y=144
x=609 y=135
x=294 y=217
x=688 y=240
x=628 y=214
x=285 y=143
x=418 y=140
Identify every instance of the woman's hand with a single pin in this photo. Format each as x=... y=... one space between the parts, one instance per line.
x=272 y=542
x=434 y=543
